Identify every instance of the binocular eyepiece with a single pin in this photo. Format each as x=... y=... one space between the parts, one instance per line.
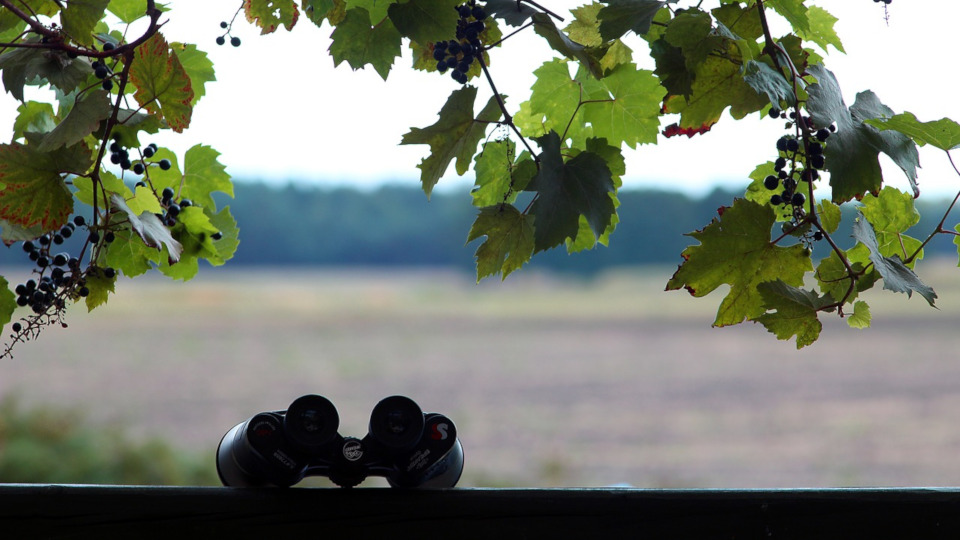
x=408 y=447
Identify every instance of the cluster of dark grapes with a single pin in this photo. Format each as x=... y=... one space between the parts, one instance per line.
x=121 y=156
x=457 y=55
x=173 y=208
x=101 y=70
x=796 y=164
x=222 y=38
x=59 y=274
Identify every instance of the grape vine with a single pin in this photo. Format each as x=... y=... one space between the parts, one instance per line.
x=547 y=170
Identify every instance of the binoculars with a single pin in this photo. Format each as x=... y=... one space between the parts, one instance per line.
x=411 y=449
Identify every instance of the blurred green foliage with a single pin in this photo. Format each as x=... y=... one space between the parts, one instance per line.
x=47 y=444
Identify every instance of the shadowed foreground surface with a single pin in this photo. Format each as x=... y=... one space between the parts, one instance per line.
x=551 y=383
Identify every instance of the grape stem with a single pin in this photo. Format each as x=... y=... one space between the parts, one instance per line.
x=507 y=118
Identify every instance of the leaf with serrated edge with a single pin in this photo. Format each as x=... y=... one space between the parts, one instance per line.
x=626 y=107
x=735 y=249
x=425 y=21
x=493 y=166
x=149 y=227
x=561 y=43
x=791 y=311
x=163 y=86
x=943 y=134
x=80 y=17
x=82 y=120
x=553 y=102
x=860 y=318
x=271 y=14
x=34 y=117
x=509 y=240
x=358 y=43
x=621 y=16
x=34 y=192
x=8 y=302
x=202 y=175
x=226 y=246
x=455 y=135
x=128 y=11
x=198 y=67
x=891 y=213
x=100 y=287
x=512 y=12
x=896 y=276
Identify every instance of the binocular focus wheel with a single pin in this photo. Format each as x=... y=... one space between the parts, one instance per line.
x=397 y=422
x=311 y=421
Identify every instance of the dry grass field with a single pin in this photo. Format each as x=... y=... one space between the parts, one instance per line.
x=551 y=382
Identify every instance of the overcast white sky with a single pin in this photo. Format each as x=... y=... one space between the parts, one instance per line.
x=280 y=111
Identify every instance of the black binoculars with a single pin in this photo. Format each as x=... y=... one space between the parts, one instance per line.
x=411 y=449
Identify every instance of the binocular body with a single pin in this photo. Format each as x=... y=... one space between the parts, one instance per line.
x=411 y=449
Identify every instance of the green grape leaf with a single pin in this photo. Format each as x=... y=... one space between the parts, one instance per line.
x=355 y=41
x=144 y=200
x=821 y=29
x=493 y=167
x=455 y=136
x=80 y=17
x=34 y=117
x=626 y=106
x=163 y=86
x=509 y=240
x=425 y=21
x=195 y=234
x=765 y=80
x=852 y=153
x=559 y=41
x=860 y=318
x=943 y=134
x=553 y=104
x=586 y=239
x=82 y=120
x=8 y=302
x=829 y=214
x=896 y=275
x=128 y=11
x=19 y=66
x=109 y=183
x=616 y=55
x=581 y=186
x=131 y=123
x=792 y=311
x=129 y=255
x=317 y=10
x=34 y=193
x=621 y=16
x=149 y=228
x=202 y=175
x=891 y=213
x=671 y=68
x=227 y=245
x=794 y=12
x=198 y=67
x=585 y=28
x=270 y=14
x=510 y=11
x=833 y=278
x=100 y=287
x=735 y=249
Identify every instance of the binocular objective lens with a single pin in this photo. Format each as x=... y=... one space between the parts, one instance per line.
x=397 y=422
x=311 y=421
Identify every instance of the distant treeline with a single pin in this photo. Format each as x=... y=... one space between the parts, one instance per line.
x=399 y=226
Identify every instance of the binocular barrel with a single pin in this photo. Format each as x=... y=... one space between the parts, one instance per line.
x=411 y=449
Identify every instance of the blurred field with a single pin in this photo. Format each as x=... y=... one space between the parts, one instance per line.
x=551 y=382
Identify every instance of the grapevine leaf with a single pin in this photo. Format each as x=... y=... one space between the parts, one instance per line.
x=359 y=43
x=829 y=214
x=18 y=66
x=270 y=14
x=34 y=117
x=202 y=175
x=425 y=21
x=891 y=213
x=896 y=275
x=621 y=16
x=735 y=249
x=130 y=123
x=581 y=186
x=554 y=97
x=454 y=136
x=127 y=11
x=144 y=200
x=512 y=12
x=852 y=154
x=376 y=8
x=83 y=119
x=163 y=86
x=317 y=10
x=195 y=234
x=109 y=183
x=794 y=12
x=198 y=67
x=860 y=318
x=493 y=167
x=626 y=106
x=80 y=17
x=586 y=239
x=100 y=287
x=821 y=29
x=149 y=228
x=671 y=68
x=129 y=255
x=616 y=55
x=226 y=246
x=34 y=193
x=791 y=311
x=8 y=302
x=509 y=240
x=765 y=80
x=585 y=28
x=544 y=26
x=943 y=134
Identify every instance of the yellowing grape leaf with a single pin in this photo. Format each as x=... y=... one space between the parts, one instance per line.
x=359 y=43
x=509 y=240
x=163 y=85
x=736 y=249
x=455 y=136
x=198 y=67
x=34 y=193
x=270 y=14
